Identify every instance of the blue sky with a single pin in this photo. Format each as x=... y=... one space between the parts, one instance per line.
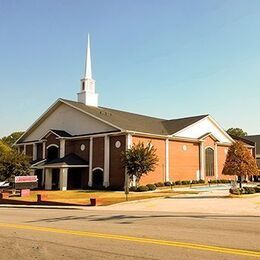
x=164 y=58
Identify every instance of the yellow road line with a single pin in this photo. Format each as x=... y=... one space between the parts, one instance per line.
x=136 y=239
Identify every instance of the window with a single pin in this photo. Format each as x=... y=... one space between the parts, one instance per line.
x=209 y=161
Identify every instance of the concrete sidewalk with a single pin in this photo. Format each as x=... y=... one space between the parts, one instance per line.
x=213 y=202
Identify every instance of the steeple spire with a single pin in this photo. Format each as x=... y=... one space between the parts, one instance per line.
x=88 y=70
x=87 y=94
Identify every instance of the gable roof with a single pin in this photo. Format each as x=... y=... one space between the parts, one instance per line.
x=120 y=120
x=136 y=122
x=69 y=160
x=255 y=139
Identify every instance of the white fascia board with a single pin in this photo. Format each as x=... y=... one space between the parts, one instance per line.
x=189 y=126
x=104 y=121
x=221 y=128
x=213 y=121
x=39 y=119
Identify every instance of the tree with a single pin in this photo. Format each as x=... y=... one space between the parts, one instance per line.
x=13 y=163
x=4 y=148
x=240 y=162
x=139 y=160
x=236 y=132
x=12 y=138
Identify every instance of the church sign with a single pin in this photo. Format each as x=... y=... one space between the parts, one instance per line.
x=25 y=182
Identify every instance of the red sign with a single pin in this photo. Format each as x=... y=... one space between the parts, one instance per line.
x=19 y=179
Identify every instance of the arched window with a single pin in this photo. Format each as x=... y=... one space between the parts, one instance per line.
x=98 y=178
x=52 y=153
x=209 y=161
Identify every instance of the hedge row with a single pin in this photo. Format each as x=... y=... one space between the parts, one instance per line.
x=245 y=190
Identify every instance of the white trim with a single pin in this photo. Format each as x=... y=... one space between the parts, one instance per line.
x=24 y=149
x=167 y=177
x=44 y=150
x=202 y=161
x=90 y=176
x=38 y=120
x=106 y=161
x=214 y=122
x=63 y=183
x=52 y=145
x=48 y=179
x=216 y=160
x=34 y=152
x=62 y=148
x=83 y=111
x=98 y=168
x=129 y=141
x=64 y=166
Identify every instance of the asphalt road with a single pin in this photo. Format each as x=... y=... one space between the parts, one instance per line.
x=94 y=234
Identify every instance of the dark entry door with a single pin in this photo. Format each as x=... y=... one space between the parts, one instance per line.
x=74 y=178
x=97 y=179
x=55 y=179
x=39 y=175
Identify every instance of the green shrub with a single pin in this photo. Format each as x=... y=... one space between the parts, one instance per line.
x=172 y=183
x=236 y=191
x=151 y=186
x=249 y=190
x=185 y=182
x=201 y=181
x=178 y=183
x=159 y=184
x=212 y=181
x=257 y=189
x=167 y=183
x=142 y=188
x=133 y=188
x=195 y=182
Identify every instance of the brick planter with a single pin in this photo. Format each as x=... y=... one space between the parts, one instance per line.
x=4 y=195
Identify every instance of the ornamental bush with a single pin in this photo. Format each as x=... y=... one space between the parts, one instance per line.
x=167 y=183
x=142 y=188
x=178 y=183
x=159 y=184
x=151 y=186
x=133 y=188
x=249 y=190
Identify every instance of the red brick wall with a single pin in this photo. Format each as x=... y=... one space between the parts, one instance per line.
x=116 y=170
x=98 y=152
x=183 y=165
x=158 y=175
x=52 y=139
x=73 y=146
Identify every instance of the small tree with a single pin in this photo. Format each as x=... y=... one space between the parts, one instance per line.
x=236 y=132
x=240 y=162
x=13 y=164
x=139 y=160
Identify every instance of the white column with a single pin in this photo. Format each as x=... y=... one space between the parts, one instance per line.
x=216 y=160
x=62 y=148
x=202 y=161
x=106 y=161
x=34 y=152
x=44 y=150
x=48 y=179
x=128 y=146
x=63 y=178
x=24 y=149
x=90 y=161
x=167 y=176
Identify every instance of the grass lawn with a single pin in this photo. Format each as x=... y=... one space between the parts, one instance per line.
x=81 y=197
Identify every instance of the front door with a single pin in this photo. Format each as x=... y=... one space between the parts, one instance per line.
x=55 y=179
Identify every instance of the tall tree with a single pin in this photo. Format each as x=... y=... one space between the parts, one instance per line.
x=236 y=132
x=12 y=138
x=240 y=162
x=13 y=163
x=139 y=160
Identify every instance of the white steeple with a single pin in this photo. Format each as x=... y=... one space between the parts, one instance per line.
x=87 y=94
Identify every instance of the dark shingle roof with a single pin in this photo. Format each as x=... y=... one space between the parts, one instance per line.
x=255 y=139
x=136 y=122
x=61 y=133
x=70 y=159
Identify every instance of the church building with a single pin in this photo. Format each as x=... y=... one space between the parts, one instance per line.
x=78 y=144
